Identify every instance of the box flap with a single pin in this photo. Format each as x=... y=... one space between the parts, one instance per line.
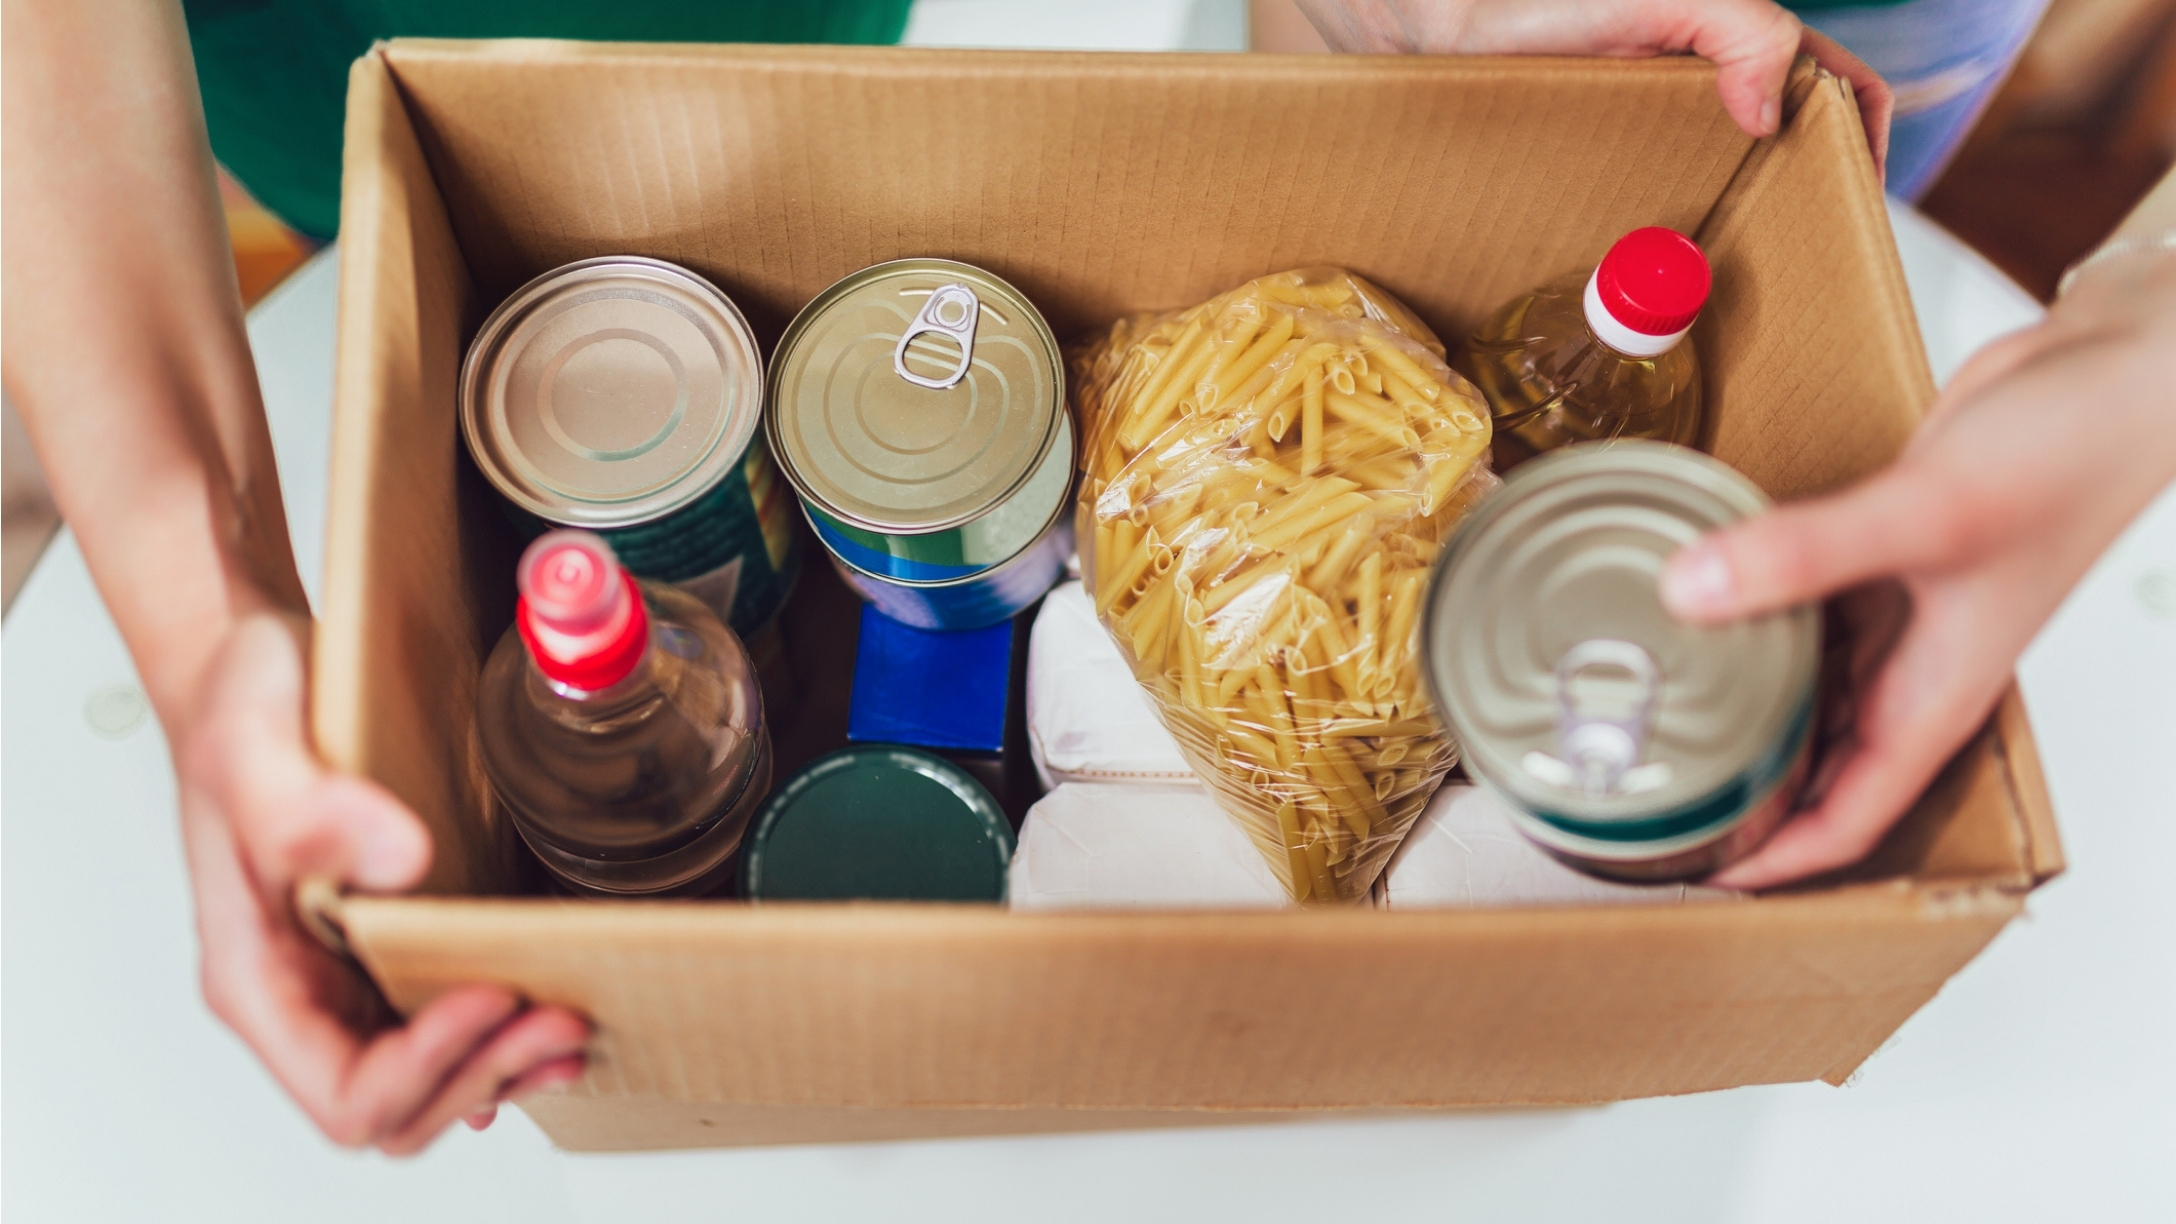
x=891 y=1005
x=1097 y=183
x=395 y=660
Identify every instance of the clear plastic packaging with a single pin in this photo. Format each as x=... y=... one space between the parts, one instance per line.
x=1268 y=477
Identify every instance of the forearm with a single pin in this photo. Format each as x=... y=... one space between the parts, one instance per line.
x=123 y=333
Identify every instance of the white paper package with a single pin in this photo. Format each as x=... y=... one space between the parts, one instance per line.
x=1088 y=720
x=1464 y=853
x=1129 y=845
x=1102 y=845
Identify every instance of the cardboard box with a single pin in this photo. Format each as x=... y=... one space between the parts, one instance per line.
x=1101 y=184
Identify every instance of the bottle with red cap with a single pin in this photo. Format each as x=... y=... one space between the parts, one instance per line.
x=1597 y=355
x=621 y=726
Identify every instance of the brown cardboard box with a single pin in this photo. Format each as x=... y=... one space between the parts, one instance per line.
x=1101 y=184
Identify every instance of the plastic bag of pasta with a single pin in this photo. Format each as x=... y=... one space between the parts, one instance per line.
x=1268 y=477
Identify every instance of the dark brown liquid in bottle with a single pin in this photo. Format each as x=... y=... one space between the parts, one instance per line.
x=1551 y=382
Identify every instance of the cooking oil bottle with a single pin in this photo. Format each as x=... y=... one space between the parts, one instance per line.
x=621 y=726
x=1597 y=356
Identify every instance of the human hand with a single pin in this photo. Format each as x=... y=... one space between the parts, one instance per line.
x=2035 y=457
x=260 y=812
x=1751 y=43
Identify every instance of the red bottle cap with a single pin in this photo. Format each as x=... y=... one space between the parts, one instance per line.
x=1653 y=281
x=580 y=614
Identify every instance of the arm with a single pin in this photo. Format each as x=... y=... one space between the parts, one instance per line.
x=127 y=357
x=1751 y=42
x=2008 y=495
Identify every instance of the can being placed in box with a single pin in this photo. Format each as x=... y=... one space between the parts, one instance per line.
x=624 y=395
x=919 y=408
x=1626 y=743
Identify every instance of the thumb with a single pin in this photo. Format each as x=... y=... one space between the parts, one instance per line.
x=376 y=844
x=250 y=757
x=1803 y=552
x=1751 y=43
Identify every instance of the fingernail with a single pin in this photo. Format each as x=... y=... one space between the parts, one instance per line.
x=1771 y=115
x=1697 y=581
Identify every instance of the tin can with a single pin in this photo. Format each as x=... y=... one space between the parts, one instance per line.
x=919 y=409
x=1627 y=744
x=878 y=822
x=623 y=395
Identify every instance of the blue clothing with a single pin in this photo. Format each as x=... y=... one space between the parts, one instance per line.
x=1944 y=59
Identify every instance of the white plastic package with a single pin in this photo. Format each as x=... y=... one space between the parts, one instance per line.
x=1088 y=720
x=1104 y=845
x=1464 y=853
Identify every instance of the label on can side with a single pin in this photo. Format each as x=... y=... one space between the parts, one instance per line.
x=734 y=547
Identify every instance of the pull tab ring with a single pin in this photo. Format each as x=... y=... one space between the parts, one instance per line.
x=1602 y=745
x=950 y=311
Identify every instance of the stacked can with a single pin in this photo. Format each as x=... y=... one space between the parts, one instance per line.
x=624 y=395
x=1626 y=743
x=919 y=409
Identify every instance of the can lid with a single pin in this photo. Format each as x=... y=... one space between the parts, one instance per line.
x=611 y=391
x=913 y=396
x=1647 y=290
x=878 y=822
x=1550 y=655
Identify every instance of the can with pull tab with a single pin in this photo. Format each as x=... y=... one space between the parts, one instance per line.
x=1625 y=743
x=919 y=409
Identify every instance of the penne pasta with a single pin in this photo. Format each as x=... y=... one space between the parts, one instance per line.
x=1267 y=477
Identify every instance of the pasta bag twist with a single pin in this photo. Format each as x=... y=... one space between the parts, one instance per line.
x=1268 y=477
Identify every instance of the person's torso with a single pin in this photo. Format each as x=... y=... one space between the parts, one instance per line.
x=274 y=73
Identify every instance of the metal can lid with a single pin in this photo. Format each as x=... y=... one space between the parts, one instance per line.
x=878 y=822
x=611 y=391
x=914 y=396
x=1550 y=655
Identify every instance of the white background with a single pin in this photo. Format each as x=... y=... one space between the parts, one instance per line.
x=2039 y=1084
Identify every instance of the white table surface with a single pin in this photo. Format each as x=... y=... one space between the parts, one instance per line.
x=2039 y=1084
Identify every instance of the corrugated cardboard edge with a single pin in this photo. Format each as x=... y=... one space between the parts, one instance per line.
x=336 y=708
x=378 y=367
x=2028 y=786
x=639 y=1124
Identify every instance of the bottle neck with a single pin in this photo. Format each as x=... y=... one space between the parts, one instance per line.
x=1616 y=335
x=582 y=658
x=631 y=687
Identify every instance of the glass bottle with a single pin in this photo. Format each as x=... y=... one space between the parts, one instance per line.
x=1597 y=356
x=622 y=726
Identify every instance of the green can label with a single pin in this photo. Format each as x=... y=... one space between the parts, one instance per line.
x=734 y=548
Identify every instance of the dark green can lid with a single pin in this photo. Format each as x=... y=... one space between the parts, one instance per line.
x=878 y=822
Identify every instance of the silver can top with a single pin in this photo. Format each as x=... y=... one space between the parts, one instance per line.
x=914 y=396
x=1550 y=656
x=611 y=391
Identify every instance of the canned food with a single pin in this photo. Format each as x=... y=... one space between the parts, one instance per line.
x=1626 y=743
x=878 y=822
x=623 y=395
x=919 y=408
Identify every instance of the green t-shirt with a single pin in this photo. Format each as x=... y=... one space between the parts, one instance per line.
x=274 y=73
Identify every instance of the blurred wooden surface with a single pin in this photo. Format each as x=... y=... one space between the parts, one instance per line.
x=2083 y=128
